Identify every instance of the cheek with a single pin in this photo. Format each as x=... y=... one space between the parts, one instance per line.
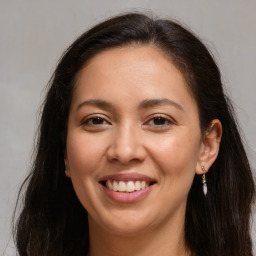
x=84 y=153
x=176 y=155
x=176 y=158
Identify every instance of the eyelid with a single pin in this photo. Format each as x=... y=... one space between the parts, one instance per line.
x=171 y=120
x=86 y=119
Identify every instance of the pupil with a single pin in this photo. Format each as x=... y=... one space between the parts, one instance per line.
x=97 y=120
x=159 y=120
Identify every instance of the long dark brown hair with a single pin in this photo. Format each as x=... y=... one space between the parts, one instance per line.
x=52 y=220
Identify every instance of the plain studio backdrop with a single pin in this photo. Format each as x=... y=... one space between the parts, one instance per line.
x=33 y=34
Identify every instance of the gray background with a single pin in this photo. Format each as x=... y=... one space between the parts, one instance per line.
x=33 y=34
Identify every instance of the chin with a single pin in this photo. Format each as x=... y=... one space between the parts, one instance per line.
x=127 y=229
x=125 y=222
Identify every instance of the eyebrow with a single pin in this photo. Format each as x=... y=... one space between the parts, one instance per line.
x=160 y=102
x=144 y=104
x=95 y=102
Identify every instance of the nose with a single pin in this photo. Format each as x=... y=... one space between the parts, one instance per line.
x=126 y=146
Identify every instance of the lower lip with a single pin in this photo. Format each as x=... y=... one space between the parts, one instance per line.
x=127 y=197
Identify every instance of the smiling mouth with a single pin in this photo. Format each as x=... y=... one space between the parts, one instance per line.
x=126 y=186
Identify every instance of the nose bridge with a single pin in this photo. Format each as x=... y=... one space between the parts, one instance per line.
x=126 y=139
x=126 y=144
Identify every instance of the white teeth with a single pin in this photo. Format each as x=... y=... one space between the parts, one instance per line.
x=129 y=186
x=109 y=185
x=137 y=185
x=121 y=186
x=115 y=186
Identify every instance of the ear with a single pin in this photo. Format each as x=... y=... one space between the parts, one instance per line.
x=209 y=147
x=67 y=169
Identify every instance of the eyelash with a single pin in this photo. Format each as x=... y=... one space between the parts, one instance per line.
x=89 y=121
x=101 y=121
x=167 y=121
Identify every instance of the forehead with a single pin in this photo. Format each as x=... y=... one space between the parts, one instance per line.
x=125 y=71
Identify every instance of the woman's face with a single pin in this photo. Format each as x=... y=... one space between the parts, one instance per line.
x=133 y=141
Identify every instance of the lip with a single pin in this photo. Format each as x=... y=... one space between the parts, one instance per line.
x=127 y=177
x=127 y=197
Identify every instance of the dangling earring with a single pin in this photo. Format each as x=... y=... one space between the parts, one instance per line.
x=67 y=174
x=204 y=182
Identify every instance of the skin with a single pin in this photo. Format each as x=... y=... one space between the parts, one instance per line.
x=162 y=141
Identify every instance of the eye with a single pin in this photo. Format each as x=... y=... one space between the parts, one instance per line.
x=95 y=121
x=160 y=121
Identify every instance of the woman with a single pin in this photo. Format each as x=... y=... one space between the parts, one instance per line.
x=138 y=150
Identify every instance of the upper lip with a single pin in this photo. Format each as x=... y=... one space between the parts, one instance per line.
x=127 y=177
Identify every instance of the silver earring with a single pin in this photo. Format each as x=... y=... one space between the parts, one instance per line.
x=204 y=182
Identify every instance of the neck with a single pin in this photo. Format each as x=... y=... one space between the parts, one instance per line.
x=163 y=240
